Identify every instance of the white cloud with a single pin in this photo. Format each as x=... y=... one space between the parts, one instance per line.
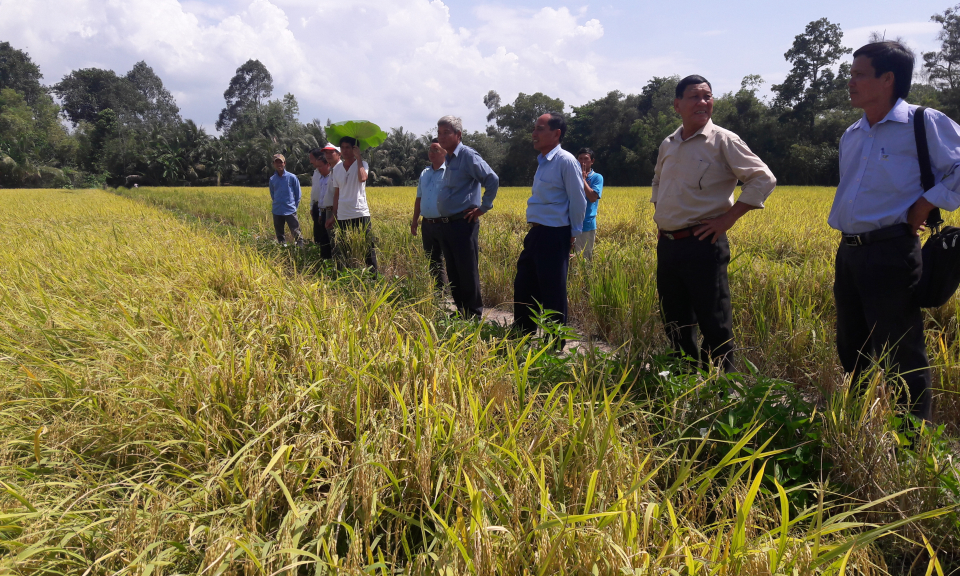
x=397 y=62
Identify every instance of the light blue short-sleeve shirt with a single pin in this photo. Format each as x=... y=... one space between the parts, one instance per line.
x=596 y=183
x=428 y=190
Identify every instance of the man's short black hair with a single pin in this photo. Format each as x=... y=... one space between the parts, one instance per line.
x=557 y=122
x=349 y=140
x=587 y=151
x=317 y=153
x=691 y=80
x=891 y=57
x=435 y=141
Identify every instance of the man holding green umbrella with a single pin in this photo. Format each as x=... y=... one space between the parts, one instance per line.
x=350 y=209
x=349 y=182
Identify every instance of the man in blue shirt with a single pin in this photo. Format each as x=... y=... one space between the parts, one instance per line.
x=879 y=208
x=285 y=193
x=555 y=214
x=592 y=187
x=460 y=207
x=428 y=187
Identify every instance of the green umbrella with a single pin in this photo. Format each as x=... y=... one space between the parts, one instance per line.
x=367 y=133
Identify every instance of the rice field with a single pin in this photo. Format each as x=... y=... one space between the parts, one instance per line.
x=178 y=395
x=781 y=273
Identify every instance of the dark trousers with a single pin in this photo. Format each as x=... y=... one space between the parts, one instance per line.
x=541 y=279
x=877 y=318
x=362 y=223
x=321 y=236
x=432 y=236
x=291 y=221
x=460 y=244
x=694 y=292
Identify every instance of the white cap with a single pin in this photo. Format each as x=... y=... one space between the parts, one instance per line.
x=330 y=146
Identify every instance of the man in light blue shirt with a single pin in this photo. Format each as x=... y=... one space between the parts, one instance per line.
x=319 y=188
x=879 y=208
x=555 y=213
x=428 y=188
x=593 y=188
x=285 y=193
x=460 y=207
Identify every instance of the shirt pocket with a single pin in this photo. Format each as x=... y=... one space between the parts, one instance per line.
x=903 y=172
x=450 y=179
x=694 y=177
x=549 y=184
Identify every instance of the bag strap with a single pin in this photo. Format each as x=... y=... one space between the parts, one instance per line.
x=934 y=219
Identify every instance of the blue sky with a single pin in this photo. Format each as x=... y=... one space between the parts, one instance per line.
x=407 y=62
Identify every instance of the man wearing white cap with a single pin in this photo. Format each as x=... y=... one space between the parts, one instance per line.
x=321 y=199
x=285 y=193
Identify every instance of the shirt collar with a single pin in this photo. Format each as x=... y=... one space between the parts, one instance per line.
x=899 y=113
x=549 y=156
x=456 y=151
x=707 y=130
x=440 y=169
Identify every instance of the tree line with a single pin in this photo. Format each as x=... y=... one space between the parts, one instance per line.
x=95 y=127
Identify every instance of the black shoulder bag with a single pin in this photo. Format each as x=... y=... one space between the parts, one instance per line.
x=941 y=252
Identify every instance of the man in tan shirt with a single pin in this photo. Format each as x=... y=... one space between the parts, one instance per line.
x=696 y=175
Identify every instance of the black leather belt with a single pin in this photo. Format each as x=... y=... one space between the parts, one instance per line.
x=447 y=219
x=677 y=234
x=888 y=233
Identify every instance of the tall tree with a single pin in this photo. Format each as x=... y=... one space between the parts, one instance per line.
x=806 y=89
x=34 y=145
x=18 y=72
x=604 y=126
x=249 y=88
x=943 y=66
x=657 y=120
x=492 y=102
x=159 y=106
x=515 y=122
x=87 y=92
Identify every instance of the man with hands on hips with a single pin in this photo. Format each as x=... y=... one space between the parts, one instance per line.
x=696 y=175
x=460 y=206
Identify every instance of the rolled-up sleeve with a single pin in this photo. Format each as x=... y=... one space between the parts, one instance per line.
x=484 y=174
x=572 y=175
x=944 y=134
x=758 y=180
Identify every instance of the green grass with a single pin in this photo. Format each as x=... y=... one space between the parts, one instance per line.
x=185 y=398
